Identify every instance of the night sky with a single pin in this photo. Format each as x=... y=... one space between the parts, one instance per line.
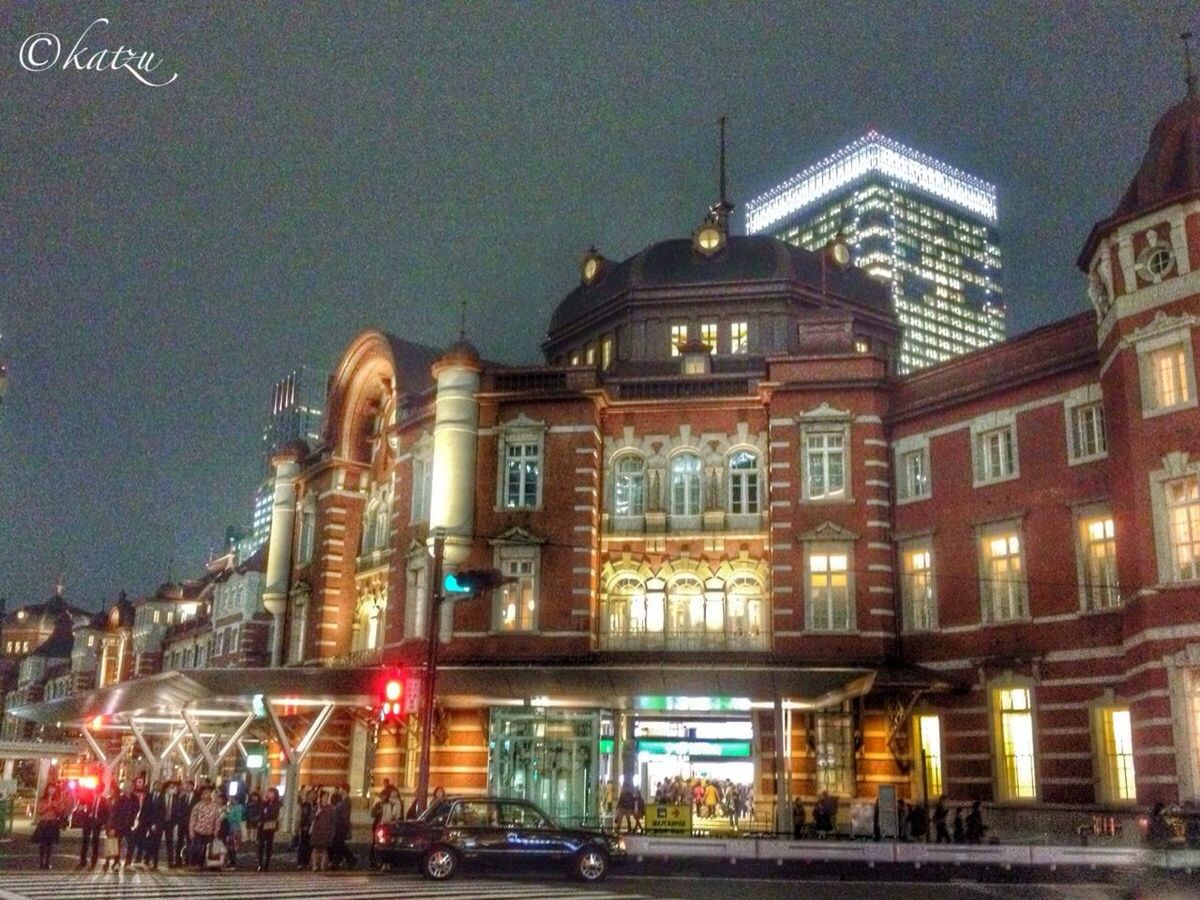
x=167 y=253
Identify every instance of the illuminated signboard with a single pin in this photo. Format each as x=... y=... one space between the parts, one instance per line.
x=693 y=704
x=658 y=747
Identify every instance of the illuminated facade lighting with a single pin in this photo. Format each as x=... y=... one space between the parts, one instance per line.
x=926 y=228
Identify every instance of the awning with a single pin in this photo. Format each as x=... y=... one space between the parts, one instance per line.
x=614 y=686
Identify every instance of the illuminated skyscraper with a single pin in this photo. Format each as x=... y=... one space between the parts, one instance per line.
x=926 y=227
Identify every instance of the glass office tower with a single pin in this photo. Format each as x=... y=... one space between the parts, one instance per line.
x=926 y=227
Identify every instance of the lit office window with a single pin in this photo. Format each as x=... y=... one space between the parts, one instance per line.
x=629 y=486
x=1013 y=711
x=929 y=754
x=708 y=335
x=825 y=457
x=1183 y=520
x=829 y=591
x=1098 y=547
x=1002 y=577
x=739 y=337
x=1115 y=733
x=916 y=588
x=743 y=483
x=1088 y=438
x=679 y=337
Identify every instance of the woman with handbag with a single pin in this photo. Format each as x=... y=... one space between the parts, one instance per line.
x=268 y=823
x=49 y=814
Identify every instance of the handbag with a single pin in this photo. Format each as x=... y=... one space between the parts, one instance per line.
x=111 y=848
x=216 y=854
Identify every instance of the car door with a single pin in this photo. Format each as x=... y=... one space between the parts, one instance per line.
x=474 y=830
x=529 y=835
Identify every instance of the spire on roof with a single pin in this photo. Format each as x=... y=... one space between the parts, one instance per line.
x=719 y=213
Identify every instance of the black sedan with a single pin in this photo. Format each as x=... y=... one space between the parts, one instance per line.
x=491 y=831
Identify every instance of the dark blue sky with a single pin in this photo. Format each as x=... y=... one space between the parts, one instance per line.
x=165 y=254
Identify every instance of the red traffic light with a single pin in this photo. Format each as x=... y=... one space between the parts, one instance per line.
x=391 y=696
x=393 y=690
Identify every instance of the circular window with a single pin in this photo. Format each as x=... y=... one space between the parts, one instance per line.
x=1155 y=261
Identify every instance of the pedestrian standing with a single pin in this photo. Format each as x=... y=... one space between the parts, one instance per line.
x=322 y=834
x=176 y=808
x=960 y=832
x=112 y=835
x=975 y=826
x=308 y=812
x=940 y=814
x=799 y=818
x=339 y=851
x=122 y=820
x=268 y=823
x=639 y=809
x=202 y=826
x=153 y=823
x=92 y=815
x=136 y=839
x=49 y=814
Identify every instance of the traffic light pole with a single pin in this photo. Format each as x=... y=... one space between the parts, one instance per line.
x=431 y=655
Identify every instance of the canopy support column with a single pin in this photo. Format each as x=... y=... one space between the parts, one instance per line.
x=152 y=759
x=294 y=755
x=783 y=813
x=203 y=748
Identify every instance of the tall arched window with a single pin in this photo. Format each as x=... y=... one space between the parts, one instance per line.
x=743 y=483
x=745 y=613
x=633 y=617
x=368 y=527
x=685 y=612
x=685 y=485
x=629 y=486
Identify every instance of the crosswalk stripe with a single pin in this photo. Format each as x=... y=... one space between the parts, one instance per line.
x=287 y=886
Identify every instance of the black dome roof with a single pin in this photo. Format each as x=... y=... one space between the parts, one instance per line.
x=745 y=258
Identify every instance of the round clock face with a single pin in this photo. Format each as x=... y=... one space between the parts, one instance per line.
x=709 y=238
x=840 y=253
x=591 y=267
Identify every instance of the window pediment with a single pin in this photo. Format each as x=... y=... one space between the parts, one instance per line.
x=825 y=411
x=517 y=535
x=828 y=531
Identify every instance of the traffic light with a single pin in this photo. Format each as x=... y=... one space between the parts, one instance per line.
x=391 y=698
x=472 y=582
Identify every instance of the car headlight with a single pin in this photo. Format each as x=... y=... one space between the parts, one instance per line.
x=619 y=844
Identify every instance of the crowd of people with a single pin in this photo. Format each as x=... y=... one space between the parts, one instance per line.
x=709 y=798
x=914 y=821
x=198 y=824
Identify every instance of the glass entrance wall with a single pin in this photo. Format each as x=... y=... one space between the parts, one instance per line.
x=548 y=756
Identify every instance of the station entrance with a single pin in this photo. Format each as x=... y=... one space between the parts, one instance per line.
x=716 y=747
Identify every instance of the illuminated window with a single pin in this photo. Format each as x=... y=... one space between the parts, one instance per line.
x=516 y=605
x=825 y=465
x=913 y=482
x=743 y=483
x=1088 y=438
x=576 y=358
x=1114 y=759
x=679 y=336
x=1170 y=377
x=828 y=590
x=928 y=756
x=589 y=354
x=916 y=587
x=708 y=335
x=1012 y=709
x=606 y=353
x=629 y=486
x=834 y=745
x=1002 y=576
x=522 y=470
x=685 y=485
x=1098 y=562
x=862 y=345
x=422 y=488
x=1183 y=522
x=739 y=337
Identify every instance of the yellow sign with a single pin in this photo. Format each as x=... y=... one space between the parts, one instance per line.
x=669 y=818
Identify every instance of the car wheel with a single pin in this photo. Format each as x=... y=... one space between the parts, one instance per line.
x=440 y=863
x=591 y=864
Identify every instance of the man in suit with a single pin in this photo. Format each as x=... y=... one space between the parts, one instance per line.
x=92 y=815
x=137 y=836
x=175 y=808
x=152 y=825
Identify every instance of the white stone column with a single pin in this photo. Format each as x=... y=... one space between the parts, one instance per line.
x=455 y=435
x=279 y=548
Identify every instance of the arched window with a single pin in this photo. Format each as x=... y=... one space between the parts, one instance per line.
x=685 y=485
x=745 y=613
x=743 y=483
x=629 y=486
x=685 y=612
x=633 y=618
x=382 y=526
x=375 y=527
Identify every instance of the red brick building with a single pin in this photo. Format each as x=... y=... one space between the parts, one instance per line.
x=742 y=546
